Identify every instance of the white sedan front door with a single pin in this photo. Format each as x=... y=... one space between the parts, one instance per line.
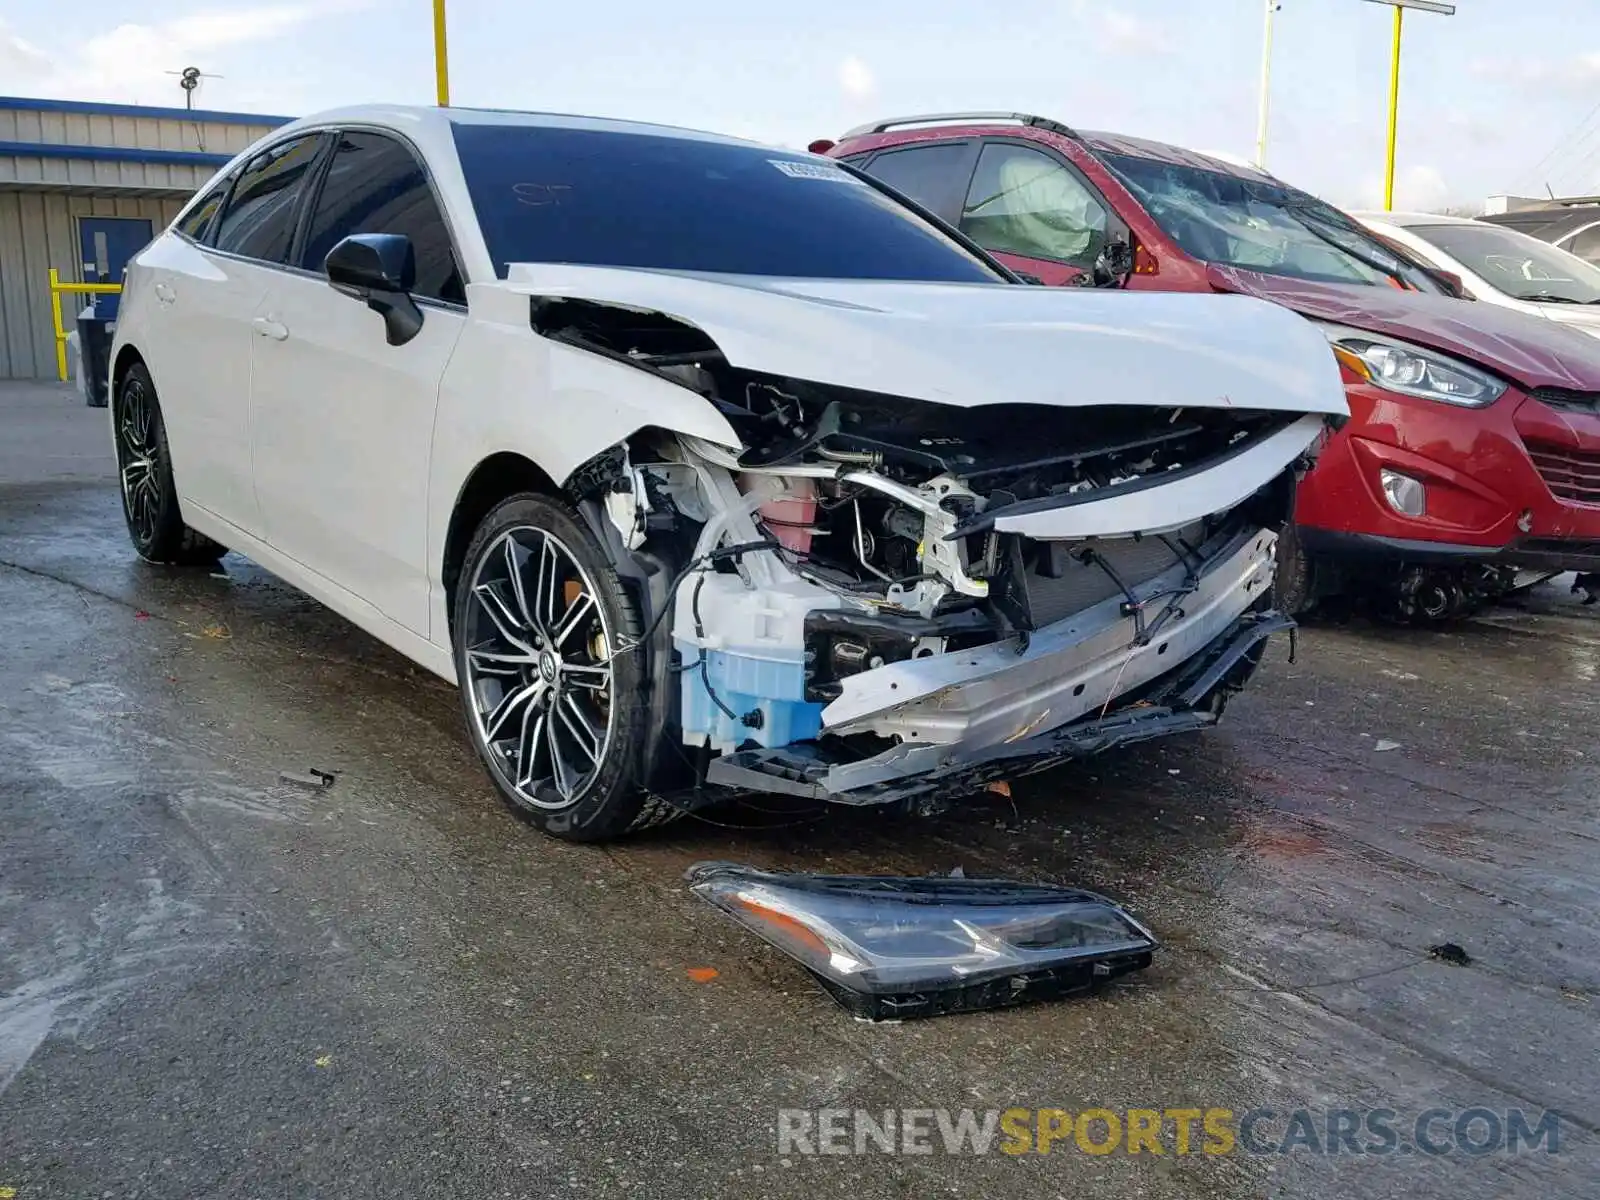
x=343 y=421
x=208 y=278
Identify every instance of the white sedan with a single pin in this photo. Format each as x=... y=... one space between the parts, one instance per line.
x=706 y=468
x=1499 y=266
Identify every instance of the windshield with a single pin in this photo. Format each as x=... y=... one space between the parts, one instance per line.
x=1515 y=263
x=601 y=197
x=1261 y=225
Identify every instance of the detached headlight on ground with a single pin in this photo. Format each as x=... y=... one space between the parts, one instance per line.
x=1398 y=366
x=890 y=947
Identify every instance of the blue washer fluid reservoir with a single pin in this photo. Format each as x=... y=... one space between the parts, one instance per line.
x=754 y=647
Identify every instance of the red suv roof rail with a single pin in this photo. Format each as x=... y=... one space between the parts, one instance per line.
x=965 y=117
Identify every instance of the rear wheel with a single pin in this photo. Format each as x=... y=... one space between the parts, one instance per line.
x=149 y=493
x=553 y=703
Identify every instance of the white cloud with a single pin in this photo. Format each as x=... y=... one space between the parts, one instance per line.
x=1124 y=33
x=131 y=63
x=856 y=79
x=1419 y=188
x=1111 y=28
x=1578 y=72
x=20 y=59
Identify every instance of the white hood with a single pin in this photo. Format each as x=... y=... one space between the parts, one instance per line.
x=976 y=344
x=1579 y=317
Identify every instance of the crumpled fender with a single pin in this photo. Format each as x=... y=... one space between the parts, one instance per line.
x=577 y=404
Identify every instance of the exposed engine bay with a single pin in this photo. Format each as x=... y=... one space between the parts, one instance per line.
x=853 y=615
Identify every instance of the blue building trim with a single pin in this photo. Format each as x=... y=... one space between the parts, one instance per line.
x=178 y=158
x=89 y=108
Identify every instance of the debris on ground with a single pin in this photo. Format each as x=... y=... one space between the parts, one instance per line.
x=701 y=974
x=311 y=778
x=1385 y=744
x=890 y=947
x=1449 y=952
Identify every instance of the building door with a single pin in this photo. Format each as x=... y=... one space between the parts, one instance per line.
x=106 y=244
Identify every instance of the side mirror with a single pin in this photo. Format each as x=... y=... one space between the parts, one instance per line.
x=380 y=269
x=1114 y=264
x=1452 y=283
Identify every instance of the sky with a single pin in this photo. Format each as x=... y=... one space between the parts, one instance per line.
x=1502 y=97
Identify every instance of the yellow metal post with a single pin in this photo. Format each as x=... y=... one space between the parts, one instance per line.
x=55 y=315
x=1394 y=109
x=56 y=288
x=441 y=54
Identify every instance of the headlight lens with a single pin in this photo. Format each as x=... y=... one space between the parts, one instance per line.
x=1410 y=370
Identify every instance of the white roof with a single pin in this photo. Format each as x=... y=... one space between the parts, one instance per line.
x=431 y=118
x=429 y=128
x=1404 y=219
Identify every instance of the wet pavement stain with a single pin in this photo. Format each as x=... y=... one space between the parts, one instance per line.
x=183 y=935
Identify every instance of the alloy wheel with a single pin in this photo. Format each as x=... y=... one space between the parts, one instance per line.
x=139 y=460
x=538 y=665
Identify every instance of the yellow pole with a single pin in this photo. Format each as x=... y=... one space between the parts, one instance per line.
x=61 y=333
x=1394 y=110
x=1266 y=87
x=441 y=55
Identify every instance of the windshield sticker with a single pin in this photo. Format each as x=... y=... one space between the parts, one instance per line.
x=811 y=170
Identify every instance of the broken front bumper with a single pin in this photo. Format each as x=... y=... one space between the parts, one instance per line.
x=969 y=716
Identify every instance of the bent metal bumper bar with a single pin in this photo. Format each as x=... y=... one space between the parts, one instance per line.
x=967 y=717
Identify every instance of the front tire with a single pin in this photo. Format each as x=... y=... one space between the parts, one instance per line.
x=149 y=492
x=1293 y=583
x=553 y=703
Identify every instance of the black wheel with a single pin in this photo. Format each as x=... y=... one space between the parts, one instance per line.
x=1292 y=587
x=149 y=495
x=552 y=702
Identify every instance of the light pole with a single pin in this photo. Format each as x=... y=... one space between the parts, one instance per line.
x=441 y=55
x=1266 y=86
x=1400 y=6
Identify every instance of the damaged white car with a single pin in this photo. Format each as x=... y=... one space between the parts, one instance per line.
x=706 y=468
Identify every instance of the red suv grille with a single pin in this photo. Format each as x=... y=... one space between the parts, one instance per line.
x=1570 y=474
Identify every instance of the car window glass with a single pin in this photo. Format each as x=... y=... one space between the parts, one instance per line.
x=605 y=197
x=1255 y=222
x=1516 y=264
x=197 y=221
x=376 y=185
x=1025 y=202
x=1586 y=245
x=930 y=175
x=260 y=217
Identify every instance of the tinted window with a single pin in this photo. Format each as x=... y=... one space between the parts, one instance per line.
x=259 y=221
x=678 y=203
x=197 y=221
x=930 y=175
x=375 y=185
x=1026 y=202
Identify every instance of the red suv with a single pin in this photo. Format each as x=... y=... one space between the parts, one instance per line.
x=1473 y=447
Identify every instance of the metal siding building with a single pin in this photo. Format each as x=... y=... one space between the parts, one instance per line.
x=68 y=171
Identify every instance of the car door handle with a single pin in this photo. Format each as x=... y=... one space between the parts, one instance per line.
x=267 y=327
x=165 y=294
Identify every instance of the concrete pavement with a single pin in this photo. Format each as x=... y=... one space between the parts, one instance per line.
x=213 y=983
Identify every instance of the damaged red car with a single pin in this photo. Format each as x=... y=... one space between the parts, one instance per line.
x=1473 y=448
